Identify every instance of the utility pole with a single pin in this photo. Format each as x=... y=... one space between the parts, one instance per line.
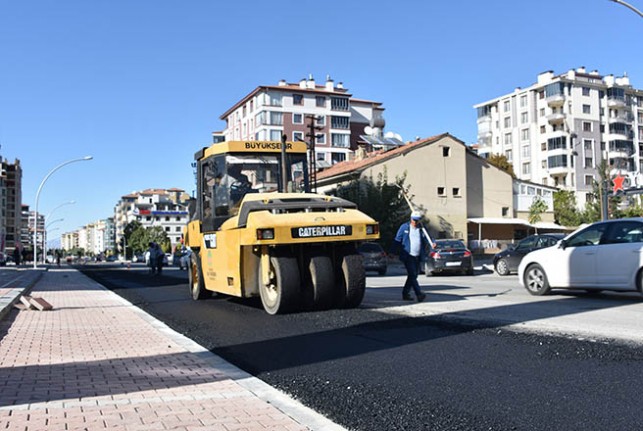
x=311 y=146
x=284 y=177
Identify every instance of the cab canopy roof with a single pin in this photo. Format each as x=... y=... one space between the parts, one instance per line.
x=250 y=147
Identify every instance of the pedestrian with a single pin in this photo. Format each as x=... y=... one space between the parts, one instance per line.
x=151 y=260
x=412 y=247
x=159 y=259
x=16 y=256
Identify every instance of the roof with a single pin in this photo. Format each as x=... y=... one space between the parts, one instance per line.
x=377 y=157
x=506 y=220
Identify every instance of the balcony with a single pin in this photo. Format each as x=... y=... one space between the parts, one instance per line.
x=556 y=118
x=621 y=118
x=616 y=102
x=555 y=100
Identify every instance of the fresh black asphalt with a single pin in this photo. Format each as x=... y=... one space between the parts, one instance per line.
x=368 y=370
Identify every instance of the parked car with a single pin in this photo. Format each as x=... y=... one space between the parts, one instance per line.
x=507 y=260
x=449 y=255
x=605 y=255
x=373 y=257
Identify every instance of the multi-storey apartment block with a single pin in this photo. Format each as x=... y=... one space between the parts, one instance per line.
x=13 y=204
x=340 y=121
x=153 y=207
x=557 y=131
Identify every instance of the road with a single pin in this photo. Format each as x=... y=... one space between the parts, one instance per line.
x=451 y=363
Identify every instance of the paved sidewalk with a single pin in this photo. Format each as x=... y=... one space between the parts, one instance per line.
x=95 y=362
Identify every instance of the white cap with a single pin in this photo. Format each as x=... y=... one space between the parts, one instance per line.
x=416 y=215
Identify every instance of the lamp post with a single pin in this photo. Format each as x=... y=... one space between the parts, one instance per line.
x=44 y=254
x=35 y=226
x=44 y=239
x=629 y=6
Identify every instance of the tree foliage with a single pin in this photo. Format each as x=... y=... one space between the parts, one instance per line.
x=381 y=200
x=536 y=209
x=565 y=211
x=501 y=162
x=140 y=239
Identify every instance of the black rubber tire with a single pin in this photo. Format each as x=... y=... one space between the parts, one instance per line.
x=320 y=280
x=501 y=267
x=351 y=280
x=469 y=271
x=536 y=281
x=195 y=277
x=282 y=294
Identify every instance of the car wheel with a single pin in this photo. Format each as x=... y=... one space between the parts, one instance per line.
x=536 y=281
x=502 y=268
x=470 y=271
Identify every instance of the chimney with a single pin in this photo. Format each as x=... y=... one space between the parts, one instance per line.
x=302 y=83
x=311 y=81
x=581 y=69
x=282 y=83
x=329 y=83
x=340 y=85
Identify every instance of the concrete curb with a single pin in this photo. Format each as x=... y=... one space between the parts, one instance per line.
x=24 y=285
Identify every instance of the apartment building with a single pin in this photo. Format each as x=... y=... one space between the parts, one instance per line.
x=167 y=208
x=557 y=131
x=341 y=122
x=37 y=223
x=12 y=204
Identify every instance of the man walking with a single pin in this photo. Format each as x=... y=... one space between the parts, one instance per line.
x=412 y=245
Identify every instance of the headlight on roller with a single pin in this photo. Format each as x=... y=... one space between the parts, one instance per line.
x=265 y=234
x=372 y=229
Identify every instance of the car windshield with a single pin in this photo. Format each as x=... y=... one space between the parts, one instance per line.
x=449 y=244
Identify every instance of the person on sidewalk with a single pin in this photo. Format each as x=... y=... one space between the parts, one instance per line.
x=412 y=247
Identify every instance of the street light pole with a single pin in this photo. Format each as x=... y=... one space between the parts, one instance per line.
x=44 y=254
x=44 y=239
x=35 y=225
x=629 y=6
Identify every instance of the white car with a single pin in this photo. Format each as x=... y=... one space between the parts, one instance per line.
x=605 y=255
x=184 y=261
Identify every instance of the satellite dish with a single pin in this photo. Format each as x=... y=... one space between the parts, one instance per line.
x=389 y=135
x=368 y=130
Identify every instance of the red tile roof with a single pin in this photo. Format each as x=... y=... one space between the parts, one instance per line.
x=377 y=157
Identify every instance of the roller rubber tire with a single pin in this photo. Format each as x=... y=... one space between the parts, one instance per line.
x=282 y=293
x=195 y=276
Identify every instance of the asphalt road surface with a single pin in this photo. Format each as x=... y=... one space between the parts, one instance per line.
x=392 y=365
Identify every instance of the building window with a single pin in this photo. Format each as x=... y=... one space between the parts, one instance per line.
x=524 y=134
x=320 y=120
x=526 y=168
x=339 y=104
x=446 y=151
x=523 y=100
x=276 y=118
x=275 y=135
x=587 y=143
x=441 y=191
x=508 y=154
x=297 y=99
x=589 y=162
x=275 y=100
x=542 y=112
x=505 y=211
x=507 y=105
x=337 y=157
x=524 y=117
x=587 y=126
x=507 y=122
x=589 y=180
x=543 y=129
x=167 y=228
x=338 y=122
x=320 y=157
x=543 y=146
x=297 y=119
x=340 y=140
x=557 y=143
x=585 y=91
x=177 y=229
x=507 y=138
x=320 y=101
x=587 y=109
x=456 y=191
x=320 y=138
x=297 y=136
x=526 y=151
x=557 y=161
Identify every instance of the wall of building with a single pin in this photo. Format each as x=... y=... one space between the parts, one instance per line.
x=489 y=190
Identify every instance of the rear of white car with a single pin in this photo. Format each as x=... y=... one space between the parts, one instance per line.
x=602 y=256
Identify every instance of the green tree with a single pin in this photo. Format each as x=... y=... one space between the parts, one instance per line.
x=565 y=211
x=501 y=162
x=381 y=200
x=140 y=239
x=536 y=209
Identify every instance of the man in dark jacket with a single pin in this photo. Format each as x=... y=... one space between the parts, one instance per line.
x=412 y=246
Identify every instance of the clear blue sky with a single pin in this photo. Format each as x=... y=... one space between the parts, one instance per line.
x=140 y=85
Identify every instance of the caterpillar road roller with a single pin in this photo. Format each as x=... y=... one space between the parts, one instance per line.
x=257 y=231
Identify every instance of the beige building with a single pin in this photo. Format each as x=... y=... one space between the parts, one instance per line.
x=460 y=193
